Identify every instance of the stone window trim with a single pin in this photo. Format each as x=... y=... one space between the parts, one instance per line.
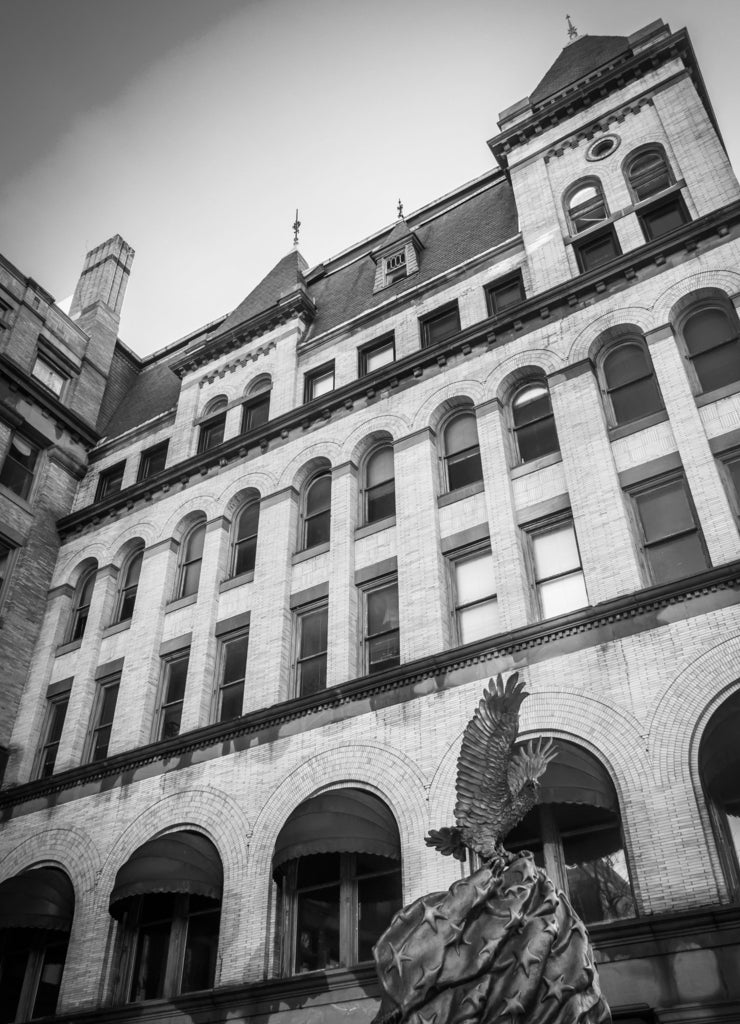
x=50 y=375
x=315 y=511
x=244 y=538
x=530 y=419
x=110 y=480
x=173 y=679
x=504 y=293
x=190 y=561
x=310 y=646
x=380 y=623
x=480 y=603
x=128 y=583
x=377 y=527
x=460 y=460
x=101 y=718
x=729 y=464
x=153 y=460
x=10 y=545
x=440 y=324
x=57 y=702
x=212 y=424
x=21 y=465
x=703 y=376
x=545 y=578
x=377 y=491
x=230 y=678
x=318 y=381
x=630 y=392
x=585 y=206
x=379 y=347
x=81 y=605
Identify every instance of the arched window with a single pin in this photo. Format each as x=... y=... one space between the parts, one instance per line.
x=648 y=174
x=129 y=586
x=712 y=341
x=719 y=765
x=244 y=543
x=191 y=559
x=629 y=382
x=317 y=511
x=380 y=486
x=337 y=862
x=585 y=206
x=462 y=453
x=256 y=408
x=36 y=911
x=81 y=607
x=534 y=423
x=575 y=834
x=167 y=897
x=212 y=428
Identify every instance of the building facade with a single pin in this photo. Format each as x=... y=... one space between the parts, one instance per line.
x=501 y=434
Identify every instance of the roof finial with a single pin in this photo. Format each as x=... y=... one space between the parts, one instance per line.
x=400 y=209
x=296 y=229
x=572 y=30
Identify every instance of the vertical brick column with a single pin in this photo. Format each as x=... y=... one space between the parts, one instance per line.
x=202 y=667
x=270 y=635
x=707 y=491
x=182 y=445
x=26 y=734
x=422 y=576
x=506 y=540
x=82 y=696
x=605 y=540
x=132 y=725
x=343 y=597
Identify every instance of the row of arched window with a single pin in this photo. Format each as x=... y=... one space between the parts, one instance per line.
x=336 y=867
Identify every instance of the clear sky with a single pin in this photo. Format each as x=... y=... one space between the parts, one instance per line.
x=194 y=128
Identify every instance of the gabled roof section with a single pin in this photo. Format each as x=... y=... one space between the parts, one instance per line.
x=401 y=232
x=578 y=59
x=284 y=278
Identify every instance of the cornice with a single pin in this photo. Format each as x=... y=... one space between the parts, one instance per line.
x=540 y=641
x=556 y=303
x=78 y=429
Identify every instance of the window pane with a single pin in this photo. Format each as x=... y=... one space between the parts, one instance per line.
x=706 y=330
x=317 y=933
x=672 y=559
x=56 y=725
x=382 y=609
x=321 y=384
x=128 y=602
x=153 y=461
x=719 y=367
x=665 y=511
x=383 y=651
x=248 y=521
x=648 y=174
x=312 y=675
x=556 y=552
x=380 y=467
x=377 y=357
x=315 y=869
x=464 y=469
x=318 y=496
x=598 y=881
x=190 y=579
x=48 y=375
x=475 y=578
x=635 y=400
x=506 y=295
x=460 y=434
x=598 y=252
x=381 y=502
x=171 y=718
x=441 y=327
x=530 y=404
x=478 y=621
x=663 y=218
x=108 y=704
x=378 y=900
x=563 y=595
x=232 y=701
x=626 y=364
x=101 y=743
x=318 y=529
x=314 y=632
x=194 y=543
x=245 y=556
x=151 y=957
x=734 y=468
x=133 y=571
x=14 y=963
x=255 y=414
x=201 y=947
x=177 y=674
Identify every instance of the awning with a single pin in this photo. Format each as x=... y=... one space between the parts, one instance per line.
x=719 y=754
x=343 y=821
x=577 y=777
x=178 y=862
x=39 y=898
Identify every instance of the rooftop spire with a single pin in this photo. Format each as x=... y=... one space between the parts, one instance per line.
x=572 y=30
x=296 y=229
x=400 y=209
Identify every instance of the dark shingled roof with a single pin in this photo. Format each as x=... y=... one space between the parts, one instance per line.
x=579 y=58
x=281 y=280
x=474 y=226
x=155 y=391
x=401 y=231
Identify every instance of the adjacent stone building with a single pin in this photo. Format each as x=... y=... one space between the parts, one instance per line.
x=501 y=434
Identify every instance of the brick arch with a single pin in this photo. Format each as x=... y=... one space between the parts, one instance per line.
x=131 y=544
x=68 y=848
x=185 y=515
x=465 y=391
x=228 y=499
x=71 y=568
x=221 y=393
x=516 y=368
x=258 y=384
x=725 y=281
x=638 y=317
x=295 y=472
x=356 y=442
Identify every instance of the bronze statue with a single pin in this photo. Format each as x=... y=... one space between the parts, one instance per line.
x=502 y=945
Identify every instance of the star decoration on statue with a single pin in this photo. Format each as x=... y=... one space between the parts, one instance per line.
x=527 y=959
x=427 y=974
x=398 y=958
x=513 y=1006
x=456 y=939
x=476 y=997
x=430 y=915
x=488 y=948
x=556 y=989
x=516 y=922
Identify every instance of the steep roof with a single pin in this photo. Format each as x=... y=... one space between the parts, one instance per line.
x=399 y=233
x=281 y=280
x=580 y=58
x=154 y=391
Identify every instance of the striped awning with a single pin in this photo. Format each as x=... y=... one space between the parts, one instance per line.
x=179 y=862
x=342 y=821
x=40 y=898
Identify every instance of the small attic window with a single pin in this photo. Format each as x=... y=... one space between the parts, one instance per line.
x=395 y=267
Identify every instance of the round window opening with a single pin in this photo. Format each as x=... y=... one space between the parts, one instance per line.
x=603 y=147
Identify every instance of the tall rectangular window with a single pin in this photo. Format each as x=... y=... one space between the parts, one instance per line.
x=597 y=249
x=233 y=672
x=56 y=712
x=153 y=461
x=730 y=463
x=476 y=606
x=440 y=325
x=110 y=481
x=318 y=382
x=19 y=466
x=502 y=295
x=255 y=412
x=312 y=624
x=52 y=378
x=382 y=642
x=376 y=354
x=172 y=695
x=558 y=573
x=102 y=720
x=671 y=539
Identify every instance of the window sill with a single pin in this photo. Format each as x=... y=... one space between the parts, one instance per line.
x=625 y=429
x=707 y=397
x=376 y=527
x=72 y=645
x=16 y=499
x=236 y=581
x=317 y=549
x=116 y=627
x=535 y=465
x=461 y=493
x=180 y=602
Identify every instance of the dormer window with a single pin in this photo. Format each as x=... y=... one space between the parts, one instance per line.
x=395 y=267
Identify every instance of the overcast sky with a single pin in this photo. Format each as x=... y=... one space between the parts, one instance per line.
x=194 y=128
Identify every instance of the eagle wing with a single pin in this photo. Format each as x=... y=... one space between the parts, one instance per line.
x=482 y=767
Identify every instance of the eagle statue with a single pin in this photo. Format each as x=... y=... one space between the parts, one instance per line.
x=504 y=943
